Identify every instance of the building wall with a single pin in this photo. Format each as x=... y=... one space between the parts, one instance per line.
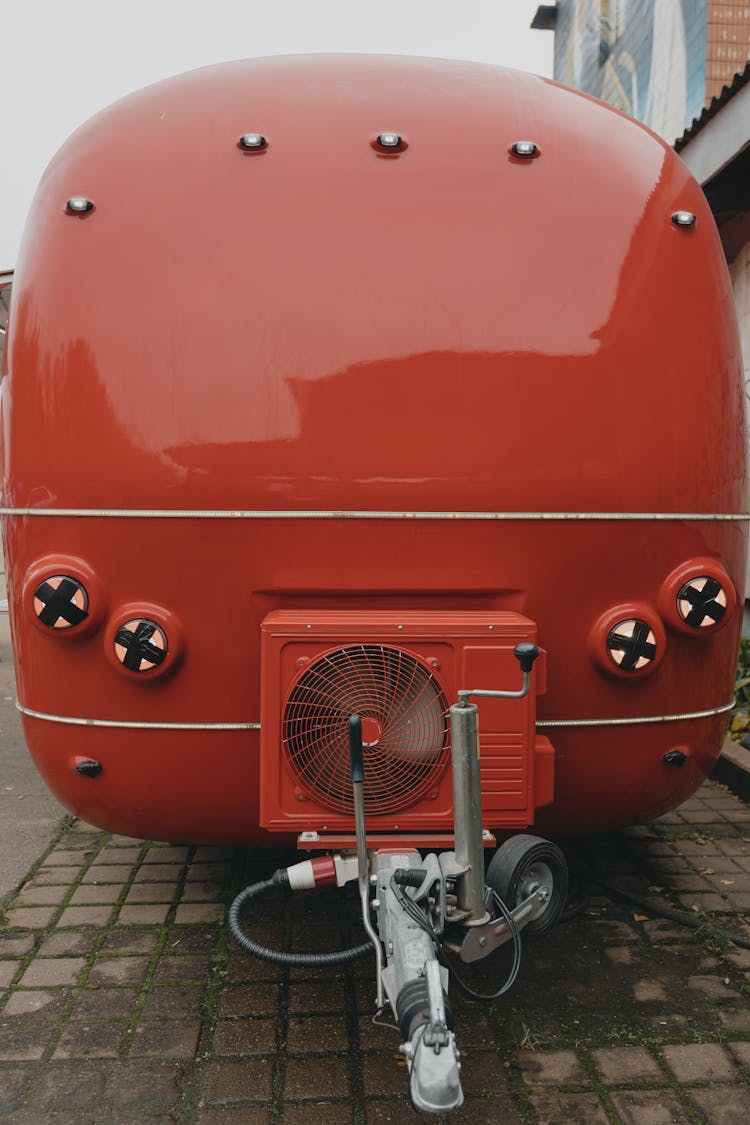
x=739 y=271
x=727 y=43
x=646 y=57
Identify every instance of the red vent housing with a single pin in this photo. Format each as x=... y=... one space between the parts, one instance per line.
x=400 y=672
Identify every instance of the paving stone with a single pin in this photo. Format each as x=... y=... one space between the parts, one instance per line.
x=23 y=1040
x=199 y=913
x=382 y=1112
x=167 y=1039
x=182 y=967
x=208 y=873
x=85 y=916
x=173 y=1001
x=310 y=1077
x=203 y=892
x=16 y=945
x=723 y=1105
x=104 y=1003
x=143 y=915
x=385 y=1073
x=41 y=896
x=31 y=917
x=13 y=1084
x=64 y=858
x=234 y=1115
x=81 y=1087
x=621 y=954
x=150 y=892
x=90 y=1040
x=741 y=1052
x=46 y=971
x=307 y=1034
x=193 y=939
x=649 y=1107
x=329 y=1113
x=141 y=1090
x=108 y=873
x=627 y=1065
x=249 y=1000
x=735 y=1020
x=649 y=991
x=129 y=941
x=8 y=970
x=61 y=943
x=118 y=856
x=483 y=1071
x=699 y=1062
x=89 y=894
x=314 y=997
x=245 y=1036
x=119 y=970
x=167 y=854
x=551 y=1068
x=35 y=1001
x=234 y=1081
x=159 y=873
x=486 y=1110
x=584 y=1109
x=242 y=967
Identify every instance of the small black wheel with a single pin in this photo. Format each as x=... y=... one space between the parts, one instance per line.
x=519 y=867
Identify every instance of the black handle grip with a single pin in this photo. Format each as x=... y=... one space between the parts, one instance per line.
x=356 y=759
x=526 y=654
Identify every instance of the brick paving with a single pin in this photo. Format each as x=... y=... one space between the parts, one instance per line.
x=123 y=999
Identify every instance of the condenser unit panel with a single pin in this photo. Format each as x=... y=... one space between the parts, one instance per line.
x=400 y=673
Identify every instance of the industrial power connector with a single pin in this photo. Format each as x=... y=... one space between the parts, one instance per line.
x=323 y=871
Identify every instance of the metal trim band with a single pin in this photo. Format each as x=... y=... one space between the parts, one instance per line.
x=637 y=720
x=125 y=724
x=71 y=720
x=259 y=514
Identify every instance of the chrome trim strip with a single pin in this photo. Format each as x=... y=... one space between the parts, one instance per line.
x=71 y=720
x=259 y=514
x=637 y=720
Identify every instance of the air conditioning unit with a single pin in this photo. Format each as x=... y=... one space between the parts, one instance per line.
x=400 y=672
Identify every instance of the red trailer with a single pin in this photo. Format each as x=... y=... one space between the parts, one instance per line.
x=328 y=381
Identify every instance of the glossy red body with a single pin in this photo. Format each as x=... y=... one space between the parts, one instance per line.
x=320 y=326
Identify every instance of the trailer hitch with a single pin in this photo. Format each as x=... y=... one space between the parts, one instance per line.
x=428 y=906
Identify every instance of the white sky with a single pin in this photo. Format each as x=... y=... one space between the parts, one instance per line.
x=63 y=60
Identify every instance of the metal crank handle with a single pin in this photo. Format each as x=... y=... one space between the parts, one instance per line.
x=525 y=654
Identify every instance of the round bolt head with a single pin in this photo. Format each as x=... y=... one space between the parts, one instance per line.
x=683 y=219
x=78 y=205
x=524 y=148
x=253 y=141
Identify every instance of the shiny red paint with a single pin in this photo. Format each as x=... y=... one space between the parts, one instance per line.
x=322 y=326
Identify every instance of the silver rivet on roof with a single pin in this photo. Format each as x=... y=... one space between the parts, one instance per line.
x=389 y=140
x=683 y=219
x=524 y=148
x=253 y=142
x=78 y=205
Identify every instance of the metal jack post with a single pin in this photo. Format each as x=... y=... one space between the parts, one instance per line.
x=467 y=792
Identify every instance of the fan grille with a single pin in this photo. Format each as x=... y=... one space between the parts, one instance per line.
x=404 y=716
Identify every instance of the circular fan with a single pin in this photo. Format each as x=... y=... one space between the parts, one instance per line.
x=404 y=727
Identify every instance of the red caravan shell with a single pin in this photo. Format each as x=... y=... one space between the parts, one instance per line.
x=322 y=326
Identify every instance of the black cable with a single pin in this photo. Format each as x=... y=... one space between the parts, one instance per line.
x=514 y=969
x=277 y=956
x=666 y=912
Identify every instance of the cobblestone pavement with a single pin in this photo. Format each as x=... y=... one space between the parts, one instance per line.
x=124 y=1000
